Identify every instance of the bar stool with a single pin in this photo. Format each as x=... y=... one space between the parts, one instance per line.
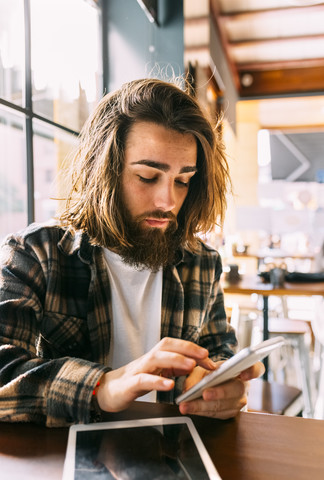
x=264 y=396
x=296 y=331
x=274 y=398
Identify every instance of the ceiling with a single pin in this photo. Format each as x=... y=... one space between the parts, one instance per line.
x=273 y=47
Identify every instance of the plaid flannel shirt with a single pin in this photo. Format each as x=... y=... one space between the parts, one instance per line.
x=55 y=320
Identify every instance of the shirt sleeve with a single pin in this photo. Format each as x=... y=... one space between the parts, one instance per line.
x=52 y=391
x=217 y=335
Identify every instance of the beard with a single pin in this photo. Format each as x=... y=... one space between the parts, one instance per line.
x=148 y=247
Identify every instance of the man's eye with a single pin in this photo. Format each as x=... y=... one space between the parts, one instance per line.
x=182 y=184
x=146 y=180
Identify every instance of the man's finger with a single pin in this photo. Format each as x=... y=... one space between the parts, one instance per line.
x=231 y=389
x=255 y=371
x=184 y=347
x=156 y=361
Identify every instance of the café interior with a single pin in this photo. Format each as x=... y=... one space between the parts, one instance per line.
x=256 y=65
x=274 y=224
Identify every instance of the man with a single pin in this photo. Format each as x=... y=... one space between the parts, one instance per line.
x=84 y=303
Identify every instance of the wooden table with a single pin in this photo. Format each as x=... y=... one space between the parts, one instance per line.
x=249 y=447
x=253 y=284
x=273 y=253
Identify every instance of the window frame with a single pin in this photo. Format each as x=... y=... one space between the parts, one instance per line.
x=27 y=108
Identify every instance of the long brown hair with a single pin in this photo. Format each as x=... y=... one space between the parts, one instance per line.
x=93 y=203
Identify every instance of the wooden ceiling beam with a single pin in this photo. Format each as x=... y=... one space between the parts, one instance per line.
x=274 y=77
x=274 y=40
x=282 y=82
x=268 y=11
x=220 y=27
x=280 y=65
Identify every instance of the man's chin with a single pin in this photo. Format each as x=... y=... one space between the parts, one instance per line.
x=152 y=249
x=149 y=244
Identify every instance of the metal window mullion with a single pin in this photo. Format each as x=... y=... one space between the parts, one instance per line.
x=24 y=111
x=30 y=170
x=104 y=44
x=28 y=118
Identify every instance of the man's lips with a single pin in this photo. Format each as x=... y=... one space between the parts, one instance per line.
x=157 y=222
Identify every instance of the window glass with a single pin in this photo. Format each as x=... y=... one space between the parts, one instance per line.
x=12 y=50
x=52 y=149
x=66 y=73
x=13 y=178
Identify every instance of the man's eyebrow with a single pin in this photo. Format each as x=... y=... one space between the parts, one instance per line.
x=188 y=169
x=164 y=167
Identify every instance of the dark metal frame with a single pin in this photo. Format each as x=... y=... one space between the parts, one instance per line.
x=27 y=110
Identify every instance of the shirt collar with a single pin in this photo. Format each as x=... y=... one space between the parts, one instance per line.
x=182 y=255
x=78 y=242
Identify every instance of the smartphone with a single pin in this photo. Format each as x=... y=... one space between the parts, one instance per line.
x=232 y=367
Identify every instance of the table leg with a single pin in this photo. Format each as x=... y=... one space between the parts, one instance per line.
x=265 y=331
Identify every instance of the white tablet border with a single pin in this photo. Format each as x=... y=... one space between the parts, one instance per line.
x=69 y=464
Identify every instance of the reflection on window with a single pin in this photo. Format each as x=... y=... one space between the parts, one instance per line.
x=52 y=147
x=11 y=50
x=42 y=109
x=13 y=180
x=65 y=60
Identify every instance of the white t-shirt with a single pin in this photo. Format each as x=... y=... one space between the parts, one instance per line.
x=136 y=311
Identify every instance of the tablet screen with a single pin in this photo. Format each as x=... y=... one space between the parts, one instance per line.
x=137 y=450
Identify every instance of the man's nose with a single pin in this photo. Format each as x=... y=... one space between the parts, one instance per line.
x=165 y=197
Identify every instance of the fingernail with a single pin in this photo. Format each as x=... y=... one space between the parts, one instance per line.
x=189 y=362
x=168 y=383
x=203 y=351
x=184 y=408
x=211 y=363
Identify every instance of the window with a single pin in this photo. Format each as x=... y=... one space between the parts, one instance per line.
x=13 y=172
x=64 y=60
x=50 y=80
x=51 y=146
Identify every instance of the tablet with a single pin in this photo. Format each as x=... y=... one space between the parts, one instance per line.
x=161 y=448
x=232 y=367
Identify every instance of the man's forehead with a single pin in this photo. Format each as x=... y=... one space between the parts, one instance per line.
x=157 y=146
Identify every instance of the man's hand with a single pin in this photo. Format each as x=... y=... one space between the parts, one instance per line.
x=223 y=401
x=170 y=357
